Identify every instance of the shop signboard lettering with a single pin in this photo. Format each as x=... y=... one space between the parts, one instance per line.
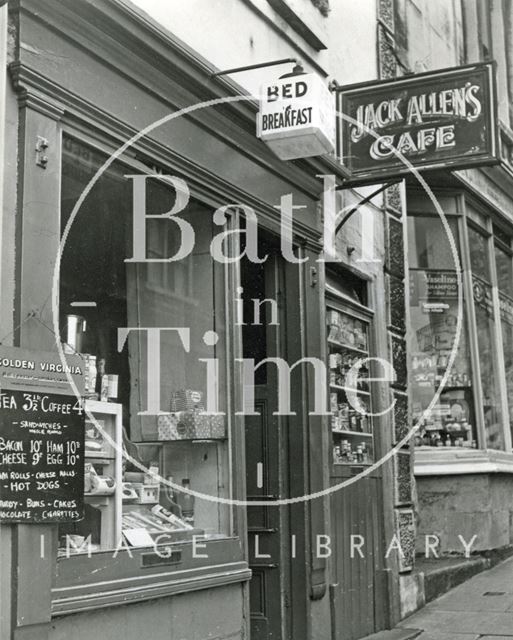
x=41 y=371
x=441 y=119
x=435 y=287
x=297 y=117
x=41 y=438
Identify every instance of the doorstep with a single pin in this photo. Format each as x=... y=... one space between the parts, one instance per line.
x=395 y=634
x=443 y=574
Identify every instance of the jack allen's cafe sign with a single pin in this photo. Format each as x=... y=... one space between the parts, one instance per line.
x=440 y=119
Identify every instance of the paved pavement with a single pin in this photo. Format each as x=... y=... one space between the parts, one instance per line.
x=479 y=609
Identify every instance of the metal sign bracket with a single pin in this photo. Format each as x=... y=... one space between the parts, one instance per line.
x=363 y=201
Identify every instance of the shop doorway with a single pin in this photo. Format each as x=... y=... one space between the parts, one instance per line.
x=266 y=452
x=359 y=595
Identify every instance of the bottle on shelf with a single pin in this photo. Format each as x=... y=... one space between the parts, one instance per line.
x=100 y=372
x=168 y=499
x=186 y=502
x=152 y=474
x=90 y=375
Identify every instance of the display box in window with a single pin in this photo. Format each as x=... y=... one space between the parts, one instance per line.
x=182 y=425
x=186 y=400
x=217 y=426
x=190 y=425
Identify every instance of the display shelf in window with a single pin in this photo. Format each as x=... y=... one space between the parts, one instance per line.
x=150 y=514
x=450 y=423
x=123 y=506
x=347 y=347
x=339 y=387
x=99 y=529
x=349 y=389
x=429 y=368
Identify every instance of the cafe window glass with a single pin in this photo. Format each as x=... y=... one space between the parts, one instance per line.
x=434 y=312
x=503 y=263
x=100 y=293
x=486 y=327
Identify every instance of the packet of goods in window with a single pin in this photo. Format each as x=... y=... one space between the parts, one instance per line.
x=217 y=426
x=94 y=441
x=346 y=332
x=335 y=360
x=152 y=474
x=169 y=517
x=157 y=520
x=135 y=520
x=89 y=471
x=180 y=425
x=129 y=493
x=149 y=520
x=333 y=324
x=360 y=335
x=102 y=485
x=128 y=522
x=186 y=400
x=146 y=493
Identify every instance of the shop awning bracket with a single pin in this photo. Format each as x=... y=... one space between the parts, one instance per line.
x=362 y=202
x=260 y=65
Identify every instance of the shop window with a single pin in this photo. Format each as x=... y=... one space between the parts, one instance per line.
x=486 y=343
x=433 y=312
x=429 y=246
x=478 y=251
x=100 y=293
x=504 y=267
x=349 y=350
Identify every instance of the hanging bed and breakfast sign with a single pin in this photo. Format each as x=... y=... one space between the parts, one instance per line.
x=441 y=119
x=297 y=116
x=41 y=437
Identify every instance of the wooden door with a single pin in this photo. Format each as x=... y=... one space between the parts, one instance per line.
x=359 y=591
x=266 y=456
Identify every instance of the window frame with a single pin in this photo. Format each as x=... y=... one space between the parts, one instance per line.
x=472 y=215
x=341 y=302
x=83 y=583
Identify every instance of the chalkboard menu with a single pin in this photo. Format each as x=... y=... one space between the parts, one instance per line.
x=41 y=457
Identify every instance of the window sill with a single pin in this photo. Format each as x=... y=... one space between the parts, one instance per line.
x=442 y=461
x=85 y=584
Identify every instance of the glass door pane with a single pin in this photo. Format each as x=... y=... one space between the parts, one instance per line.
x=350 y=398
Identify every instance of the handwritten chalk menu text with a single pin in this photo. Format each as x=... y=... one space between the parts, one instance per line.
x=41 y=457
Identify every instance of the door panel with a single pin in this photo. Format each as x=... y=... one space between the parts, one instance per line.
x=358 y=596
x=266 y=464
x=263 y=524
